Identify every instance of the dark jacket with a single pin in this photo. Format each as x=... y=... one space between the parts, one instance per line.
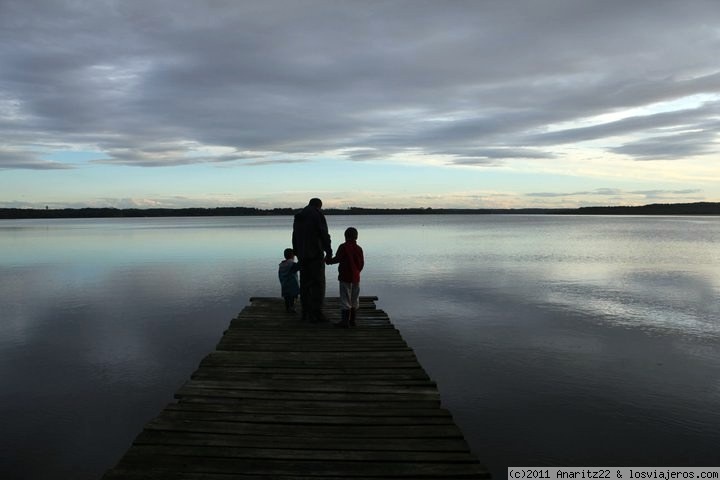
x=287 y=274
x=310 y=236
x=351 y=259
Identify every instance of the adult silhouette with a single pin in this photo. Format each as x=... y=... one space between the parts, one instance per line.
x=311 y=242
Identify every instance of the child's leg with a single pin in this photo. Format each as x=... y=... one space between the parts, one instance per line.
x=345 y=304
x=289 y=302
x=354 y=302
x=345 y=296
x=351 y=317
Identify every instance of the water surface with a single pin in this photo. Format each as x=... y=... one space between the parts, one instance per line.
x=554 y=340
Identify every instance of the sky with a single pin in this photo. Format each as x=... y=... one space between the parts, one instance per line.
x=365 y=103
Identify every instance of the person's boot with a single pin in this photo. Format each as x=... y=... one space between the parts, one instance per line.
x=305 y=315
x=304 y=310
x=345 y=321
x=318 y=316
x=351 y=318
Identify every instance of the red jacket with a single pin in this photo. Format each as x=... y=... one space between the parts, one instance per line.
x=350 y=257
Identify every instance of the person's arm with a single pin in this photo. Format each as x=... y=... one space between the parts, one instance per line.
x=361 y=259
x=330 y=260
x=298 y=242
x=325 y=237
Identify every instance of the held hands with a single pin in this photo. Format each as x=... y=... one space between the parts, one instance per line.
x=328 y=258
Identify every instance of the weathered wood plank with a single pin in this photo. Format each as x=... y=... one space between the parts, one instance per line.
x=321 y=403
x=303 y=467
x=306 y=444
x=196 y=412
x=330 y=357
x=120 y=474
x=331 y=433
x=430 y=398
x=414 y=409
x=269 y=359
x=295 y=372
x=427 y=389
x=361 y=350
x=272 y=335
x=367 y=376
x=164 y=448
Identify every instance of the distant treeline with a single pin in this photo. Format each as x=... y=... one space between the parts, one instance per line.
x=699 y=208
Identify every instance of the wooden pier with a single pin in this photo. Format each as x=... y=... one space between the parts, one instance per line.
x=284 y=399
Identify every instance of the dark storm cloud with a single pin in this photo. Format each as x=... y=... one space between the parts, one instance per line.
x=285 y=80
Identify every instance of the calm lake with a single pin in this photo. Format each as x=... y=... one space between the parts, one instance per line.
x=555 y=340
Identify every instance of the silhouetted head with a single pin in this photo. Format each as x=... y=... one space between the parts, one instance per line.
x=351 y=233
x=315 y=202
x=289 y=253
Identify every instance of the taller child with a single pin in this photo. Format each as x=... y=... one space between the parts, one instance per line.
x=311 y=242
x=351 y=259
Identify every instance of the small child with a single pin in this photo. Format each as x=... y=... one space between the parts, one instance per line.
x=287 y=274
x=350 y=257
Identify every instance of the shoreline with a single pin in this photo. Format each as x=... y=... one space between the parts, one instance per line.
x=698 y=208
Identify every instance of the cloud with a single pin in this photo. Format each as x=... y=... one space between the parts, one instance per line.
x=362 y=154
x=188 y=153
x=690 y=194
x=671 y=147
x=598 y=191
x=476 y=82
x=480 y=156
x=20 y=160
x=659 y=194
x=168 y=155
x=702 y=118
